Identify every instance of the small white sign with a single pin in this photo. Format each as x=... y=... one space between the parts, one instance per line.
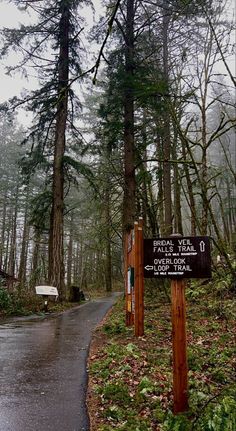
x=46 y=290
x=129 y=281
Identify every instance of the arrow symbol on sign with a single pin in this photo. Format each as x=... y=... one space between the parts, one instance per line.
x=202 y=246
x=148 y=267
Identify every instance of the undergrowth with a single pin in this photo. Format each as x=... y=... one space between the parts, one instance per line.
x=25 y=303
x=131 y=378
x=13 y=304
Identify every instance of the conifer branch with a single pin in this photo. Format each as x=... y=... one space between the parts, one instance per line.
x=109 y=29
x=95 y=67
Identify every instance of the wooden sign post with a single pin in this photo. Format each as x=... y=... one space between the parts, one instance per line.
x=179 y=338
x=179 y=343
x=134 y=280
x=129 y=276
x=177 y=258
x=139 y=280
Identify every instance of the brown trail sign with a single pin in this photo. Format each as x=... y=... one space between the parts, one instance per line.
x=177 y=258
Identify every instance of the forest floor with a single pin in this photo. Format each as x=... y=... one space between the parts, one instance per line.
x=130 y=379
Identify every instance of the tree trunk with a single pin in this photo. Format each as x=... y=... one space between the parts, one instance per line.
x=76 y=264
x=231 y=211
x=177 y=190
x=34 y=278
x=70 y=255
x=3 y=228
x=82 y=265
x=191 y=200
x=129 y=164
x=56 y=255
x=7 y=241
x=107 y=212
x=24 y=246
x=204 y=191
x=160 y=196
x=166 y=132
x=12 y=253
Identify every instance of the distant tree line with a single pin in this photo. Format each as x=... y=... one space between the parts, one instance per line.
x=153 y=135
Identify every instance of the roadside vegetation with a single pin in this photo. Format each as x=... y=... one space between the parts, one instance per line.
x=130 y=385
x=25 y=303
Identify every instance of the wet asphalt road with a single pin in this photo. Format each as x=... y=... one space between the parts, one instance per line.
x=43 y=375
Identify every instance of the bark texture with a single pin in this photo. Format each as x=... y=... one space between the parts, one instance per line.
x=129 y=169
x=56 y=258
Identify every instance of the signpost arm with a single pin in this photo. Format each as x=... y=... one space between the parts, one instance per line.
x=180 y=368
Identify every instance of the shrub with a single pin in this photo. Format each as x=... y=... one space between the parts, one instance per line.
x=5 y=300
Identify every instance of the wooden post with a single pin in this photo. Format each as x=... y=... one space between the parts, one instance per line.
x=127 y=319
x=136 y=280
x=139 y=281
x=133 y=259
x=128 y=263
x=180 y=368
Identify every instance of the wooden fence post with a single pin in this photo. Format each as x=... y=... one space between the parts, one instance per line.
x=180 y=368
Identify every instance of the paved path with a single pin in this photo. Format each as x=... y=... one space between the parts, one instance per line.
x=43 y=377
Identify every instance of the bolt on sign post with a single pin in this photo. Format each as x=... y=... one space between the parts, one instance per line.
x=178 y=258
x=134 y=282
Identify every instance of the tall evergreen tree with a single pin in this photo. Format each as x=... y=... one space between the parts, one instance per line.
x=50 y=46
